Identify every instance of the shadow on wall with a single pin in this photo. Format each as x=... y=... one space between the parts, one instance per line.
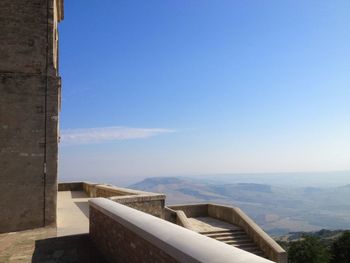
x=77 y=248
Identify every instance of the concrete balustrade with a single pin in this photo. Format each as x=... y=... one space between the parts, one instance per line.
x=124 y=234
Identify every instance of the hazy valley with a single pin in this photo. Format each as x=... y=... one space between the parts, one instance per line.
x=278 y=209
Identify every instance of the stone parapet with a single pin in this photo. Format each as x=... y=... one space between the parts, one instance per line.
x=151 y=203
x=124 y=234
x=71 y=186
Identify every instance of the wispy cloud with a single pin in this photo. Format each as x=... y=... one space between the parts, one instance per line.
x=105 y=134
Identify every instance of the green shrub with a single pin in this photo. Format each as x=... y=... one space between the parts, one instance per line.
x=308 y=250
x=340 y=249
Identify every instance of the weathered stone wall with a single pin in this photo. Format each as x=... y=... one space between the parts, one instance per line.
x=119 y=244
x=153 y=204
x=170 y=215
x=29 y=106
x=72 y=186
x=195 y=210
x=153 y=207
x=90 y=189
x=108 y=191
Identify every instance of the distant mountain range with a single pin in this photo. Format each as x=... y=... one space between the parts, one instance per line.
x=278 y=209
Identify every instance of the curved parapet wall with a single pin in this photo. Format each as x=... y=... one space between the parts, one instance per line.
x=124 y=234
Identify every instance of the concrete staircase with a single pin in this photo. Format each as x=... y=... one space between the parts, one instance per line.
x=235 y=237
x=229 y=225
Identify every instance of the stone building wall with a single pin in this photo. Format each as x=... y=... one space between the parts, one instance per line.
x=29 y=108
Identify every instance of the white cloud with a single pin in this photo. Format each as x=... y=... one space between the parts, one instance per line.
x=104 y=134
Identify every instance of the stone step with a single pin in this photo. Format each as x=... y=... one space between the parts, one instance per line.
x=249 y=245
x=255 y=250
x=224 y=234
x=259 y=253
x=237 y=238
x=221 y=231
x=235 y=241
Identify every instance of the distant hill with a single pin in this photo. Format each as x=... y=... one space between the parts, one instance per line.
x=279 y=210
x=323 y=234
x=327 y=237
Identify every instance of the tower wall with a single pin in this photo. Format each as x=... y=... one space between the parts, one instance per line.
x=29 y=108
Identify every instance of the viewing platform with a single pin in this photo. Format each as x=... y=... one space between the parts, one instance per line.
x=72 y=213
x=70 y=240
x=103 y=223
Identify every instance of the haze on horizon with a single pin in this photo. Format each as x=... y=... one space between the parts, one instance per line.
x=204 y=87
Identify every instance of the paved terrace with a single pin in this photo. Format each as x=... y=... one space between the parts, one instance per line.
x=122 y=234
x=72 y=213
x=69 y=242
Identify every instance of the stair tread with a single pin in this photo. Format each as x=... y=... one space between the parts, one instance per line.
x=237 y=238
x=251 y=243
x=252 y=249
x=235 y=241
x=221 y=231
x=224 y=234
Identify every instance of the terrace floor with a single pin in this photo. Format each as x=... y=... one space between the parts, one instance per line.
x=69 y=242
x=72 y=213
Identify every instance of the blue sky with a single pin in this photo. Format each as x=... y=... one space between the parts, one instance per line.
x=166 y=87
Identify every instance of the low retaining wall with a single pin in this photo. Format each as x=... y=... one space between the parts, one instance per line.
x=196 y=210
x=109 y=191
x=147 y=202
x=124 y=234
x=170 y=215
x=150 y=204
x=71 y=186
x=90 y=189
